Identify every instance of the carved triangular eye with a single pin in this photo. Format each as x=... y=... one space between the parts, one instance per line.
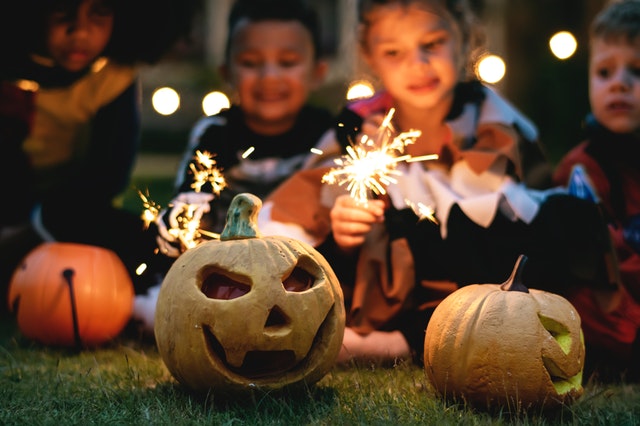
x=559 y=332
x=219 y=286
x=299 y=280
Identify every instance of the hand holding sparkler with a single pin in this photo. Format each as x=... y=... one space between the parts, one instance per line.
x=351 y=221
x=179 y=228
x=183 y=219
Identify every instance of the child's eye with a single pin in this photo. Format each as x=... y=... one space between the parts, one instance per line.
x=248 y=62
x=433 y=45
x=603 y=72
x=635 y=71
x=61 y=17
x=390 y=53
x=289 y=61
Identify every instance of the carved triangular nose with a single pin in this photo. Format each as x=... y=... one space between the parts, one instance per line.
x=276 y=318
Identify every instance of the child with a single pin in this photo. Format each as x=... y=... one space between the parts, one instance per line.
x=69 y=122
x=611 y=157
x=485 y=215
x=273 y=62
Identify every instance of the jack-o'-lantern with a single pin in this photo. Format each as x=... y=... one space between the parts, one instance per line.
x=247 y=311
x=505 y=346
x=69 y=294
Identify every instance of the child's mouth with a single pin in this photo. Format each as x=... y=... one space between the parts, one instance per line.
x=619 y=107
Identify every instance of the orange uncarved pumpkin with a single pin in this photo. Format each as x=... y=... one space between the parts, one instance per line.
x=68 y=294
x=505 y=346
x=249 y=312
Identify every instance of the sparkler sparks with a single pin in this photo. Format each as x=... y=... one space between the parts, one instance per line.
x=185 y=216
x=204 y=171
x=151 y=209
x=422 y=211
x=370 y=166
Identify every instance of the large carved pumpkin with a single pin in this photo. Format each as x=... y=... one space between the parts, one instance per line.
x=505 y=346
x=248 y=311
x=71 y=294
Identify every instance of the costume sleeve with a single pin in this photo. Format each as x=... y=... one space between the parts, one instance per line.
x=628 y=258
x=105 y=171
x=16 y=112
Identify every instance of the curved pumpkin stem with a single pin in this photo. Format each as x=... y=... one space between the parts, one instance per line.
x=514 y=282
x=242 y=218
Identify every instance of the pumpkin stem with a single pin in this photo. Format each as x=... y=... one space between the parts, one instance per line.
x=242 y=218
x=514 y=282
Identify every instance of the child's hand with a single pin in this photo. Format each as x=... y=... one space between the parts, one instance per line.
x=350 y=221
x=193 y=204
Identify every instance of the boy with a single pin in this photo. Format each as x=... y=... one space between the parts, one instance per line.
x=611 y=157
x=273 y=62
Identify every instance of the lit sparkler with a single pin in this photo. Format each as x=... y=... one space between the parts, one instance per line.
x=204 y=171
x=187 y=231
x=370 y=166
x=422 y=211
x=151 y=209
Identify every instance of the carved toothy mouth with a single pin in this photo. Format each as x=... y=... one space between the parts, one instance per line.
x=256 y=364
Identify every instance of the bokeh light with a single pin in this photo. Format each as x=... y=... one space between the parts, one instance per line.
x=563 y=44
x=165 y=101
x=214 y=102
x=491 y=69
x=360 y=89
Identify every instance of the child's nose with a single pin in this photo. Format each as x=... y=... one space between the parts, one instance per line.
x=420 y=57
x=79 y=27
x=270 y=70
x=623 y=79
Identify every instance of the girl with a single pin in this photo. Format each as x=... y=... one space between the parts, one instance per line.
x=485 y=215
x=69 y=121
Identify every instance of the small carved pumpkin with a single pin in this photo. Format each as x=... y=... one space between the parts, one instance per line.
x=505 y=346
x=248 y=311
x=70 y=294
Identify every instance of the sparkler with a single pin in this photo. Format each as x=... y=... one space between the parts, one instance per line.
x=370 y=166
x=187 y=218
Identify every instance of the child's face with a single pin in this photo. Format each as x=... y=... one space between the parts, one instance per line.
x=415 y=54
x=273 y=69
x=614 y=84
x=75 y=41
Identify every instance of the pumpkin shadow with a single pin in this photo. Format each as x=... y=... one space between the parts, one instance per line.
x=301 y=401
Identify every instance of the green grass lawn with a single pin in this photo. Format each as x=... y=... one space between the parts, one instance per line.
x=126 y=382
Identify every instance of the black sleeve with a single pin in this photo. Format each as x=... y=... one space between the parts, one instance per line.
x=91 y=184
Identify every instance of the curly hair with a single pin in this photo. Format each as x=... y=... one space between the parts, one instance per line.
x=144 y=30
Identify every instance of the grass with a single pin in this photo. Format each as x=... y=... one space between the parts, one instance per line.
x=126 y=382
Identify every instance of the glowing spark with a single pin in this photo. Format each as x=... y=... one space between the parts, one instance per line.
x=316 y=151
x=248 y=152
x=204 y=171
x=422 y=211
x=151 y=209
x=371 y=165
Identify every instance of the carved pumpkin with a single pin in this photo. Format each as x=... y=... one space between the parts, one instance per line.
x=71 y=294
x=248 y=311
x=505 y=346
